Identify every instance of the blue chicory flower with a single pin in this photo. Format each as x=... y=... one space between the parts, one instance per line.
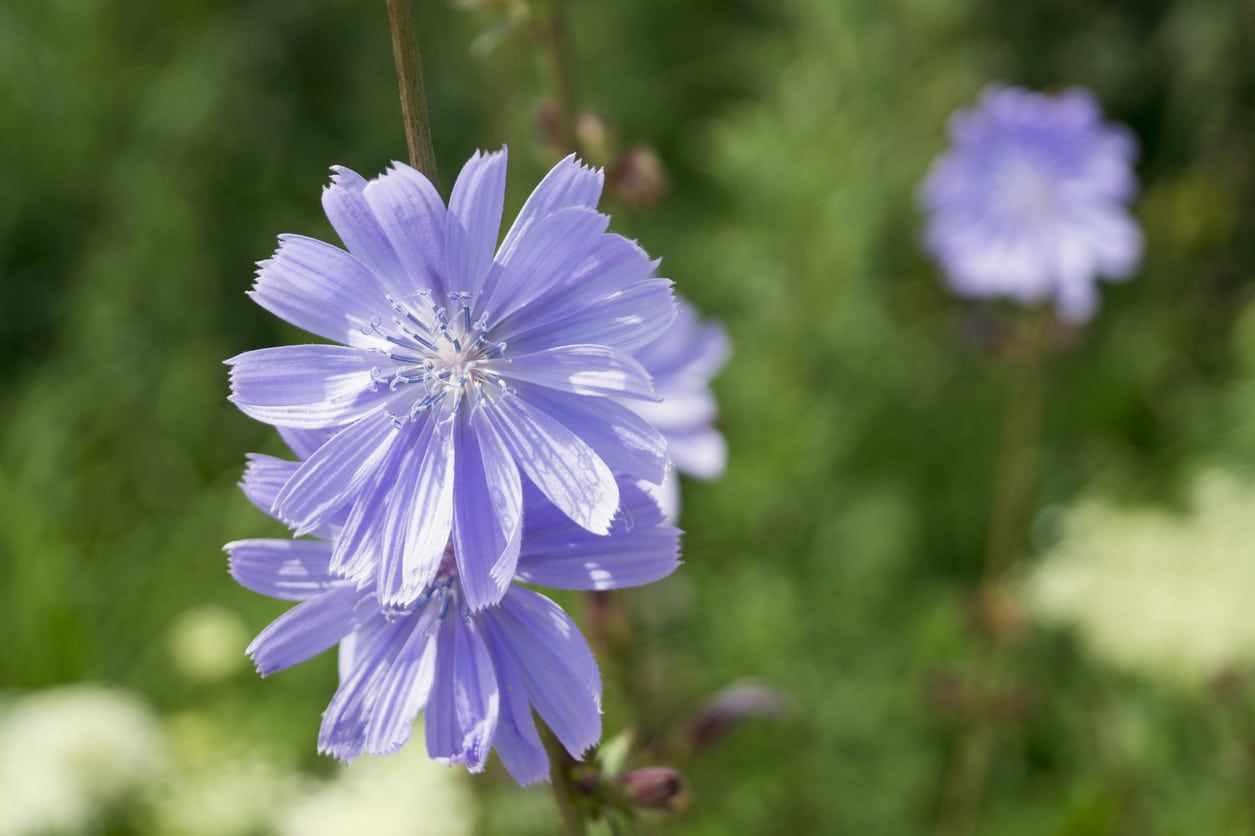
x=682 y=363
x=459 y=364
x=1030 y=202
x=477 y=674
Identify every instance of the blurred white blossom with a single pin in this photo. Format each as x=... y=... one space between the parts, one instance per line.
x=405 y=794
x=1159 y=592
x=207 y=643
x=67 y=754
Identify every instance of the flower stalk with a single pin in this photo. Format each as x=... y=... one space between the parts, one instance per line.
x=410 y=84
x=565 y=788
x=1008 y=533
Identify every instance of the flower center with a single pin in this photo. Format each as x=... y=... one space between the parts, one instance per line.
x=437 y=356
x=1029 y=193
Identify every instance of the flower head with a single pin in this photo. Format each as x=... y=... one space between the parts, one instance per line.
x=460 y=366
x=682 y=363
x=1029 y=203
x=477 y=673
x=1164 y=594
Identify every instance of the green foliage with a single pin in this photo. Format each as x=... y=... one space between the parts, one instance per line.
x=149 y=157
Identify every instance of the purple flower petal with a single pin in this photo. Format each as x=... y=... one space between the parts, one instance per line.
x=627 y=321
x=332 y=476
x=303 y=443
x=564 y=468
x=551 y=251
x=305 y=386
x=517 y=742
x=306 y=630
x=291 y=570
x=626 y=442
x=582 y=370
x=376 y=643
x=568 y=184
x=419 y=514
x=404 y=688
x=345 y=205
x=474 y=220
x=487 y=514
x=319 y=288
x=412 y=216
x=463 y=707
x=555 y=664
x=264 y=477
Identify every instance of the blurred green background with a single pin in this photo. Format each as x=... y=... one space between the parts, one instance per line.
x=151 y=151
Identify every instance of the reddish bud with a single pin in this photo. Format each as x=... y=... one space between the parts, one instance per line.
x=655 y=787
x=731 y=707
x=638 y=178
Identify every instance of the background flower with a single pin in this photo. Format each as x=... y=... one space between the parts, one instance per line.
x=1029 y=203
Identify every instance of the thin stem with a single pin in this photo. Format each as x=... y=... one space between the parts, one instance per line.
x=410 y=83
x=564 y=786
x=553 y=36
x=1008 y=533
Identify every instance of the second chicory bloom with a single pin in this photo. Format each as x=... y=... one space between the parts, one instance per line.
x=682 y=363
x=460 y=366
x=1030 y=202
x=477 y=674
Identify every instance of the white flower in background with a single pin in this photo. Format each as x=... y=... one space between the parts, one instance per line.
x=207 y=643
x=1162 y=593
x=220 y=784
x=67 y=754
x=405 y=794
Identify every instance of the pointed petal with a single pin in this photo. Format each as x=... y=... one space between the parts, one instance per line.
x=555 y=664
x=345 y=205
x=376 y=643
x=474 y=221
x=582 y=369
x=625 y=441
x=487 y=514
x=306 y=630
x=413 y=217
x=419 y=515
x=319 y=288
x=517 y=742
x=639 y=549
x=332 y=477
x=566 y=470
x=264 y=477
x=303 y=443
x=545 y=259
x=463 y=706
x=626 y=321
x=568 y=184
x=306 y=386
x=291 y=570
x=612 y=266
x=404 y=688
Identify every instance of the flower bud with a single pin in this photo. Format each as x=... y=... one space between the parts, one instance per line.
x=655 y=787
x=638 y=178
x=732 y=706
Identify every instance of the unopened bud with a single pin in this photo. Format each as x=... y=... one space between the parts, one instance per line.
x=731 y=707
x=655 y=787
x=594 y=138
x=549 y=124
x=638 y=178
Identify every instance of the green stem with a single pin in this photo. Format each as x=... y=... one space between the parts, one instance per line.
x=565 y=791
x=553 y=37
x=1008 y=534
x=410 y=83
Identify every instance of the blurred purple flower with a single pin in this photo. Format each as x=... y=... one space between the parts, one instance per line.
x=477 y=674
x=1030 y=202
x=682 y=363
x=459 y=364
